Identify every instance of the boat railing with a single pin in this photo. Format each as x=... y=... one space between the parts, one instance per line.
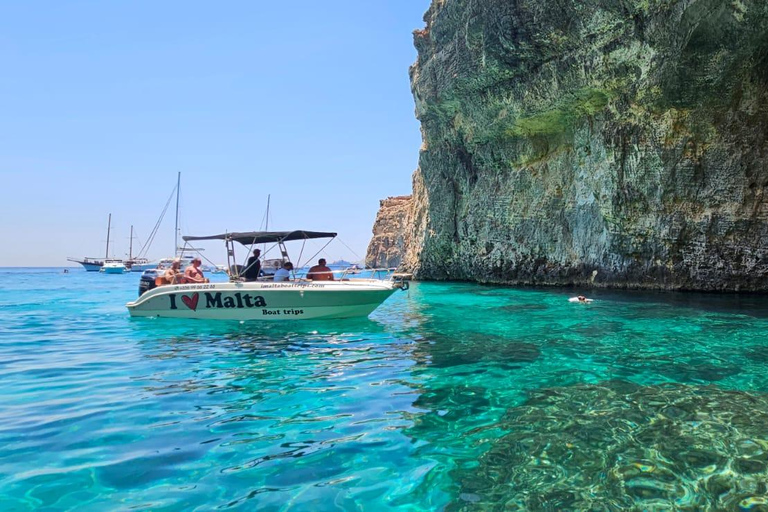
x=383 y=274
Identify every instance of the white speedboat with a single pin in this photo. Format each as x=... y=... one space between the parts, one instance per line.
x=263 y=299
x=113 y=266
x=270 y=266
x=139 y=264
x=186 y=260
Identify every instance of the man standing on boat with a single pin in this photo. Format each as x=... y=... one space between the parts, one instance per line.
x=193 y=274
x=253 y=269
x=320 y=272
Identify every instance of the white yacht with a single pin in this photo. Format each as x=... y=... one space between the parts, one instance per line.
x=113 y=266
x=139 y=264
x=264 y=299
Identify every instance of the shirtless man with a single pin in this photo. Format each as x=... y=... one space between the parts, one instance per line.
x=193 y=274
x=320 y=272
x=173 y=275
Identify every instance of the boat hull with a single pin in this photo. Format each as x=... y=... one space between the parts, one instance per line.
x=141 y=267
x=263 y=301
x=114 y=270
x=89 y=265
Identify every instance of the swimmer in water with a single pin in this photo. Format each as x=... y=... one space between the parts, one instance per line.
x=582 y=299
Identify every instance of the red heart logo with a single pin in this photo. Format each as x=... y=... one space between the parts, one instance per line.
x=191 y=302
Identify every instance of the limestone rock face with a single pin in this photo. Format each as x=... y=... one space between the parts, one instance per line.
x=614 y=142
x=389 y=233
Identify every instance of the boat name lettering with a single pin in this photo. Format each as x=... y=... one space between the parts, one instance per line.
x=286 y=312
x=216 y=301
x=293 y=285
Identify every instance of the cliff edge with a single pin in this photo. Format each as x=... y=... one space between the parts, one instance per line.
x=619 y=142
x=390 y=232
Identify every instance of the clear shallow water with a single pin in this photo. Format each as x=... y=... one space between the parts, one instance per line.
x=451 y=396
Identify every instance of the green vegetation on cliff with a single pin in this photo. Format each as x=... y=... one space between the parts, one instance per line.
x=623 y=137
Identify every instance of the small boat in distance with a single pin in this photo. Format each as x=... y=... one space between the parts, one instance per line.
x=139 y=264
x=264 y=299
x=270 y=266
x=113 y=266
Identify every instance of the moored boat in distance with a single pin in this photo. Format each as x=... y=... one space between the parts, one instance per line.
x=95 y=264
x=264 y=299
x=89 y=264
x=270 y=266
x=139 y=264
x=113 y=266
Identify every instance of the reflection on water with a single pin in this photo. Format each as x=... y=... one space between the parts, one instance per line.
x=451 y=396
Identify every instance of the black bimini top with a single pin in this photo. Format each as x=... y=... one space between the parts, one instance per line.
x=263 y=237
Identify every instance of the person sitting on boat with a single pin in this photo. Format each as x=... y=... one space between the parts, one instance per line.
x=193 y=274
x=253 y=269
x=173 y=275
x=284 y=273
x=320 y=272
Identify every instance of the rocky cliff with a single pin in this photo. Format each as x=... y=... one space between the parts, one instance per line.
x=620 y=142
x=390 y=232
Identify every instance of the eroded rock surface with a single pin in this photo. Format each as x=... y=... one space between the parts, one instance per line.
x=389 y=233
x=563 y=138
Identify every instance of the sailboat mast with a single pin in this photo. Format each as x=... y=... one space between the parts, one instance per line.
x=130 y=246
x=109 y=226
x=266 y=224
x=176 y=229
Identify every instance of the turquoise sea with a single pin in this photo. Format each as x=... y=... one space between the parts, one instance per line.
x=451 y=396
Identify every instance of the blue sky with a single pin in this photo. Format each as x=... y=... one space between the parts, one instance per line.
x=104 y=102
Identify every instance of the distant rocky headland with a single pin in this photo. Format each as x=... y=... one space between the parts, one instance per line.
x=617 y=143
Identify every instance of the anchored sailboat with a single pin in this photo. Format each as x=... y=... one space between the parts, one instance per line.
x=139 y=263
x=92 y=264
x=185 y=254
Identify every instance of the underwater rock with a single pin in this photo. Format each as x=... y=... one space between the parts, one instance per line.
x=758 y=354
x=620 y=446
x=471 y=348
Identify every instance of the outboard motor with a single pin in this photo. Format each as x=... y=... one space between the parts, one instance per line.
x=147 y=281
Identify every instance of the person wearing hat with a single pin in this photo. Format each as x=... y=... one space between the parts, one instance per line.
x=193 y=274
x=253 y=269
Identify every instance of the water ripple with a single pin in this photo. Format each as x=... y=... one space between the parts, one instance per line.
x=411 y=409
